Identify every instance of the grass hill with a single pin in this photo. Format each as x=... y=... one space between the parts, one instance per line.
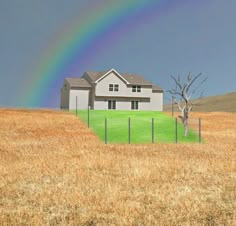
x=219 y=103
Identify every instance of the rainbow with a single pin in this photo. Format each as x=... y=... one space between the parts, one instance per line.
x=80 y=42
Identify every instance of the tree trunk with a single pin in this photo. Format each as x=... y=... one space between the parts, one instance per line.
x=186 y=127
x=185 y=120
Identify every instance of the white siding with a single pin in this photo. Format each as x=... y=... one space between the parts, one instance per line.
x=102 y=88
x=100 y=94
x=145 y=106
x=156 y=101
x=82 y=99
x=124 y=105
x=65 y=90
x=102 y=104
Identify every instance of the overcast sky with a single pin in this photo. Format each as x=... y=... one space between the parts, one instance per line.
x=190 y=36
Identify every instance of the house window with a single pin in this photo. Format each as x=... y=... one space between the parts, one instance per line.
x=116 y=87
x=113 y=87
x=134 y=105
x=136 y=89
x=139 y=89
x=111 y=104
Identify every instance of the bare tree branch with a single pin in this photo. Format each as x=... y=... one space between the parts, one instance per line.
x=198 y=86
x=192 y=81
x=189 y=76
x=177 y=82
x=179 y=106
x=182 y=91
x=174 y=92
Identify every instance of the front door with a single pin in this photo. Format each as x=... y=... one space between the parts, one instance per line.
x=134 y=105
x=111 y=104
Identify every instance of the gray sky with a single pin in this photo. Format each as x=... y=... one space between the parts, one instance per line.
x=190 y=36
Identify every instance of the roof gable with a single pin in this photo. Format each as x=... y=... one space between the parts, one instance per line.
x=90 y=78
x=108 y=72
x=94 y=75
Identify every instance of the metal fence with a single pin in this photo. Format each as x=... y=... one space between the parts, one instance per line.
x=150 y=131
x=146 y=130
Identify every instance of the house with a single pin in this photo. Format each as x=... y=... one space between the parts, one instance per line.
x=111 y=90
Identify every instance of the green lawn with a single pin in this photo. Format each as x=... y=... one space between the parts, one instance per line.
x=141 y=126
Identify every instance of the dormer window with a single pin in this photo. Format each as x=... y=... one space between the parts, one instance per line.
x=113 y=87
x=136 y=89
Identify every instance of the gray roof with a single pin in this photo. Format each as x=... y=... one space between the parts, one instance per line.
x=93 y=76
x=78 y=82
x=135 y=79
x=156 y=88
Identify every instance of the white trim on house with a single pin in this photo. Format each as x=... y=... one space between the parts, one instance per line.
x=120 y=76
x=87 y=91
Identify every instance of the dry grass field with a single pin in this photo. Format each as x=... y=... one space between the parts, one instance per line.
x=219 y=103
x=55 y=171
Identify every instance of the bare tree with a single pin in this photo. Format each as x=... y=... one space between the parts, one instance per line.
x=183 y=94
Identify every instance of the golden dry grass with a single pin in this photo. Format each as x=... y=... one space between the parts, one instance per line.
x=219 y=103
x=55 y=171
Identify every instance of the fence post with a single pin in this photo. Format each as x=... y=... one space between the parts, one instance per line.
x=105 y=130
x=88 y=115
x=176 y=130
x=129 y=130
x=200 y=132
x=172 y=106
x=152 y=130
x=76 y=104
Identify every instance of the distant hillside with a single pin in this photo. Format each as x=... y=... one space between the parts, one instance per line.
x=222 y=103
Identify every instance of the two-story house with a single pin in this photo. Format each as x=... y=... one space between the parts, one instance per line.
x=111 y=90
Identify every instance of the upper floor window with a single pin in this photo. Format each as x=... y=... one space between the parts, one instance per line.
x=136 y=89
x=113 y=87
